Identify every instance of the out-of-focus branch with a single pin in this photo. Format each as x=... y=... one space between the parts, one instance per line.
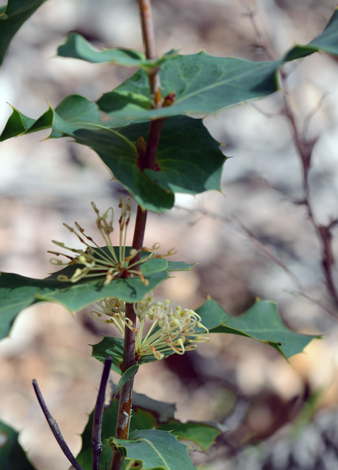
x=324 y=232
x=260 y=41
x=236 y=224
x=305 y=147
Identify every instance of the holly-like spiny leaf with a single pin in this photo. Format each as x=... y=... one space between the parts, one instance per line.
x=147 y=414
x=73 y=109
x=202 y=84
x=19 y=292
x=206 y=84
x=114 y=350
x=261 y=322
x=77 y=47
x=326 y=42
x=12 y=17
x=156 y=450
x=181 y=163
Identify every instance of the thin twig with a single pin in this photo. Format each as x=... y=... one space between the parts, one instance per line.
x=305 y=148
x=55 y=428
x=98 y=415
x=261 y=43
x=150 y=48
x=324 y=233
x=237 y=225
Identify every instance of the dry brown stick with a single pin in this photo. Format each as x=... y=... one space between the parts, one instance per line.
x=147 y=161
x=55 y=428
x=98 y=415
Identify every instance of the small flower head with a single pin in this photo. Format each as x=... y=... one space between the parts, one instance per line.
x=172 y=329
x=96 y=261
x=114 y=309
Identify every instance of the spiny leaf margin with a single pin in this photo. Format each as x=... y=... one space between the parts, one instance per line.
x=261 y=322
x=181 y=163
x=19 y=292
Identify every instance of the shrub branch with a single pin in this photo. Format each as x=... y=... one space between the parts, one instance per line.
x=147 y=161
x=55 y=428
x=304 y=147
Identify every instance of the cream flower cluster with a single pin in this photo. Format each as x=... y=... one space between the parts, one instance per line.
x=109 y=262
x=172 y=329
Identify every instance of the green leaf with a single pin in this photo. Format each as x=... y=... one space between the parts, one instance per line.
x=19 y=292
x=181 y=161
x=181 y=158
x=260 y=322
x=17 y=124
x=180 y=266
x=202 y=434
x=12 y=456
x=202 y=84
x=157 y=450
x=207 y=84
x=161 y=412
x=127 y=375
x=326 y=42
x=73 y=109
x=78 y=47
x=147 y=414
x=113 y=348
x=12 y=17
x=110 y=346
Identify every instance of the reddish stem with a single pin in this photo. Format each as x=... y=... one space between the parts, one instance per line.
x=148 y=161
x=305 y=149
x=324 y=233
x=149 y=44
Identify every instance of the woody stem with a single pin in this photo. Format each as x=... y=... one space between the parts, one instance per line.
x=148 y=161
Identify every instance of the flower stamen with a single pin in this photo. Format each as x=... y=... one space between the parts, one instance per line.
x=106 y=261
x=172 y=329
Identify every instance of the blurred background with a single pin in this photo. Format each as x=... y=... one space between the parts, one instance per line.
x=254 y=240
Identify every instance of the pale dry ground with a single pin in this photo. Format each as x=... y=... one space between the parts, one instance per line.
x=45 y=183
